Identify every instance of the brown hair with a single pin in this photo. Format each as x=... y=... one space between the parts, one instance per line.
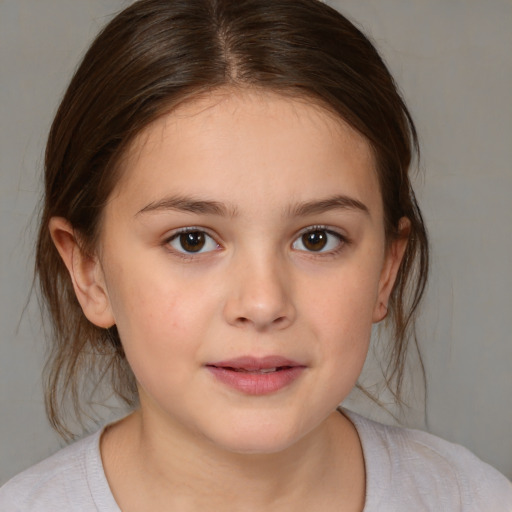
x=158 y=53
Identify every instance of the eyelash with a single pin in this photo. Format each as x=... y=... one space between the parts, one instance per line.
x=188 y=256
x=343 y=241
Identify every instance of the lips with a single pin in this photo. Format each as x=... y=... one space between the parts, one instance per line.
x=256 y=376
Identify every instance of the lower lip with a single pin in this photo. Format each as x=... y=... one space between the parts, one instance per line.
x=257 y=383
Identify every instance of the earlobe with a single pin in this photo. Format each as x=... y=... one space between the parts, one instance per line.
x=85 y=272
x=394 y=256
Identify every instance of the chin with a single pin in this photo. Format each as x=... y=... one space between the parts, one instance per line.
x=257 y=437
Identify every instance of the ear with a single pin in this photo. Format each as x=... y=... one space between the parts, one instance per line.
x=85 y=271
x=394 y=255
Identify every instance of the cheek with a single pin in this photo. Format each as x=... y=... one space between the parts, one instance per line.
x=344 y=303
x=149 y=301
x=155 y=320
x=159 y=343
x=340 y=312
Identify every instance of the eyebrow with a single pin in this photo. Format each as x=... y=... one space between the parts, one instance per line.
x=191 y=205
x=206 y=207
x=337 y=202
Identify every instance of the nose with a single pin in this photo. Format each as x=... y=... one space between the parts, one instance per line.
x=260 y=295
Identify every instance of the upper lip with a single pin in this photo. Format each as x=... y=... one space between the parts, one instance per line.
x=251 y=363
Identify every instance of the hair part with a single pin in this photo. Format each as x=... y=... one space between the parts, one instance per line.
x=155 y=55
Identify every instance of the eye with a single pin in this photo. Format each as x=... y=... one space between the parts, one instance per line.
x=318 y=240
x=193 y=241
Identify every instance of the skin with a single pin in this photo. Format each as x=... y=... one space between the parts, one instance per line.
x=255 y=289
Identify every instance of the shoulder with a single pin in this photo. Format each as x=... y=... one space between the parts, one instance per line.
x=64 y=481
x=429 y=471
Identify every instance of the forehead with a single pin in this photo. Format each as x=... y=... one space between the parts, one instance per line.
x=239 y=145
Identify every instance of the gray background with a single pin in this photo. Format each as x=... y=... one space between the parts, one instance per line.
x=452 y=60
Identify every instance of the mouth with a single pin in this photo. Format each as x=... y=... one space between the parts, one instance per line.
x=256 y=376
x=263 y=370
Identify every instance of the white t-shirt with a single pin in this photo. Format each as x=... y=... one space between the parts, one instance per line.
x=406 y=470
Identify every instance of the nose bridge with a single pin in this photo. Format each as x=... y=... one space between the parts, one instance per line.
x=260 y=290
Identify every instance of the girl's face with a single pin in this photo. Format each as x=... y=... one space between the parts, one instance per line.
x=243 y=260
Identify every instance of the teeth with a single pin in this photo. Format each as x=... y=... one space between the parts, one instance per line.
x=263 y=370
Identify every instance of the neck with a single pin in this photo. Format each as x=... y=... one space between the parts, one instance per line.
x=193 y=474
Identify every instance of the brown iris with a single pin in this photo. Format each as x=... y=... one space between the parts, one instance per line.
x=314 y=240
x=192 y=241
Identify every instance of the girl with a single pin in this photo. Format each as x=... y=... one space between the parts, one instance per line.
x=227 y=213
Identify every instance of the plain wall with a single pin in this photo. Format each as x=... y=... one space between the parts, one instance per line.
x=452 y=61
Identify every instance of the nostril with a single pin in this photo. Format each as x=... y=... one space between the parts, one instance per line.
x=259 y=310
x=244 y=321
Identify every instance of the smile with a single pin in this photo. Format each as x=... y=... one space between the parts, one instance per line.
x=263 y=370
x=256 y=376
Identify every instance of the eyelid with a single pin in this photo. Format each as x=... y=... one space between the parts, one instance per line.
x=190 y=229
x=342 y=238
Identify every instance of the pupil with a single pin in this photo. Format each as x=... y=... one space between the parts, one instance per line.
x=193 y=241
x=315 y=241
